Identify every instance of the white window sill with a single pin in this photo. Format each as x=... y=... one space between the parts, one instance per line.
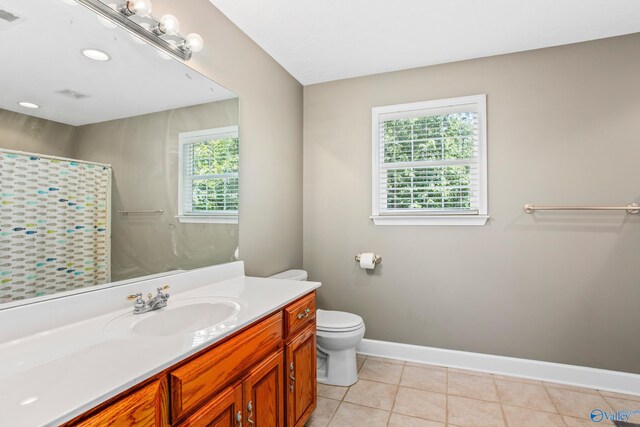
x=203 y=219
x=430 y=220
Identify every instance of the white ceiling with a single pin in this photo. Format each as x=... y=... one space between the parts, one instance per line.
x=323 y=40
x=41 y=56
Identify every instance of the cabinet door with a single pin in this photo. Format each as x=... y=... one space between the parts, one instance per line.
x=263 y=393
x=301 y=376
x=223 y=410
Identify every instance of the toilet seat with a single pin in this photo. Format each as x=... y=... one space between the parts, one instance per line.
x=337 y=321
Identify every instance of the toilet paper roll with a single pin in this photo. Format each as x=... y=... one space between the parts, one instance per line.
x=367 y=261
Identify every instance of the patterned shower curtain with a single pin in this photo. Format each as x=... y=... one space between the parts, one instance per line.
x=54 y=225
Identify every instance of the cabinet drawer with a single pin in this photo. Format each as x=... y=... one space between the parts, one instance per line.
x=300 y=313
x=147 y=406
x=200 y=378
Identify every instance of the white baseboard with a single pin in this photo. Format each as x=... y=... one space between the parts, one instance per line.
x=601 y=379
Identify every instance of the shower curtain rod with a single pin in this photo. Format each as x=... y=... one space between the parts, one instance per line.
x=46 y=156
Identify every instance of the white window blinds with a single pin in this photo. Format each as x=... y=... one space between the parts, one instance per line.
x=429 y=158
x=209 y=172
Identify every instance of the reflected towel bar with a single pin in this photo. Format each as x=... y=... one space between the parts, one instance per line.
x=149 y=212
x=632 y=208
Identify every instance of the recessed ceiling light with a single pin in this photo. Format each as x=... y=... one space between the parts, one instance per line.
x=28 y=104
x=96 y=55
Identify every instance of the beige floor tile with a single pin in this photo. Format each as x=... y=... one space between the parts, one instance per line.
x=625 y=405
x=524 y=395
x=576 y=404
x=516 y=379
x=425 y=365
x=465 y=412
x=386 y=360
x=380 y=371
x=397 y=420
x=424 y=378
x=323 y=412
x=372 y=394
x=421 y=404
x=332 y=391
x=350 y=415
x=472 y=386
x=360 y=360
x=571 y=388
x=620 y=395
x=474 y=373
x=577 y=422
x=523 y=417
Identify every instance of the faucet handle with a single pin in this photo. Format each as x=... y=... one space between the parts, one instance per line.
x=134 y=296
x=162 y=294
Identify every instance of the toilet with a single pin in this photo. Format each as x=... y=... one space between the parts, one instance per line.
x=337 y=334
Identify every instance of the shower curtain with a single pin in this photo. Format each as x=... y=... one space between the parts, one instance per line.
x=54 y=225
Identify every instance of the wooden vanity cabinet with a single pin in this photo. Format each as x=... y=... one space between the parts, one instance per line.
x=263 y=376
x=300 y=365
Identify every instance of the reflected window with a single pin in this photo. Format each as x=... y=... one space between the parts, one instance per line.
x=208 y=187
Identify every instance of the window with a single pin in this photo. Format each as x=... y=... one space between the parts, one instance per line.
x=429 y=163
x=208 y=176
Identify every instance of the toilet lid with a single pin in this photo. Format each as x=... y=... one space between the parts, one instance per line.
x=337 y=320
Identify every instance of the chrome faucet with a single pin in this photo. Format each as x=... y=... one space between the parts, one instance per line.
x=154 y=303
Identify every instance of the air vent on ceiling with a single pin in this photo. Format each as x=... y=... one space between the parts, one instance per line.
x=8 y=19
x=73 y=94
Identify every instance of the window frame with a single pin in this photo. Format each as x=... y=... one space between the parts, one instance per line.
x=479 y=103
x=192 y=137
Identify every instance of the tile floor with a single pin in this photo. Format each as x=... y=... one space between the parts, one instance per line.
x=394 y=393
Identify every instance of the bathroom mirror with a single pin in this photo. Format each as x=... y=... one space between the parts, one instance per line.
x=116 y=160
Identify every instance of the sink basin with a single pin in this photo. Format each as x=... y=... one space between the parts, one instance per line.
x=179 y=317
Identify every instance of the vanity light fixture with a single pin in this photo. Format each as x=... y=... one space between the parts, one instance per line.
x=135 y=16
x=96 y=55
x=28 y=104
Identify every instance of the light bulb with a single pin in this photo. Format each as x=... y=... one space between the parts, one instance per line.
x=168 y=24
x=136 y=7
x=193 y=42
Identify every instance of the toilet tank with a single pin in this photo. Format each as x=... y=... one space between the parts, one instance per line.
x=300 y=275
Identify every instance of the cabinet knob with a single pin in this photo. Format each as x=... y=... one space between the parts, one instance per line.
x=239 y=418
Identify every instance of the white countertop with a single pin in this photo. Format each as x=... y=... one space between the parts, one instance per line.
x=52 y=376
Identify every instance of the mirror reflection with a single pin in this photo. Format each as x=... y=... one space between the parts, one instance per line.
x=116 y=161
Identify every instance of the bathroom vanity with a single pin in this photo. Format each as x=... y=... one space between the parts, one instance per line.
x=255 y=368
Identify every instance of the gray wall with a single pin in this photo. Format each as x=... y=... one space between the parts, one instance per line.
x=34 y=135
x=270 y=135
x=143 y=151
x=561 y=287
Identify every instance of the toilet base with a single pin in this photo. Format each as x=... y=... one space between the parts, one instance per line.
x=337 y=367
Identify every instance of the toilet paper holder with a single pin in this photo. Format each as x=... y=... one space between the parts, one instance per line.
x=376 y=260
